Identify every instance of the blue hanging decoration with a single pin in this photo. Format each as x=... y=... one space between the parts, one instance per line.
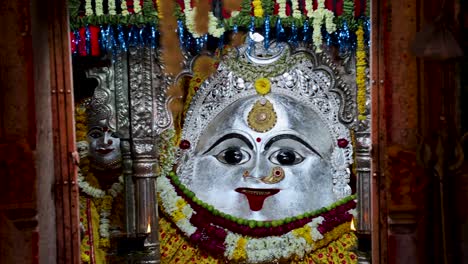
x=266 y=41
x=199 y=44
x=327 y=38
x=102 y=39
x=143 y=36
x=134 y=38
x=305 y=31
x=153 y=37
x=251 y=30
x=367 y=29
x=77 y=41
x=131 y=37
x=235 y=28
x=293 y=37
x=221 y=40
x=112 y=42
x=121 y=38
x=180 y=31
x=343 y=38
x=280 y=33
x=88 y=41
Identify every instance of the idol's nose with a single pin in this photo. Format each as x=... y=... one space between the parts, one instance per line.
x=259 y=171
x=107 y=138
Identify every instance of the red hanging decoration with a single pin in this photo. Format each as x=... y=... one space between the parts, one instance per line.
x=82 y=43
x=276 y=9
x=73 y=42
x=329 y=5
x=359 y=7
x=288 y=9
x=339 y=7
x=94 y=39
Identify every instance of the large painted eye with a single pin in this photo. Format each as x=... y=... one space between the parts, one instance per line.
x=286 y=157
x=95 y=134
x=233 y=156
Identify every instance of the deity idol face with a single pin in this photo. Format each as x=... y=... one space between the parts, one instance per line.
x=104 y=148
x=282 y=171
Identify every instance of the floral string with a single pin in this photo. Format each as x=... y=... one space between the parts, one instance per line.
x=281 y=242
x=361 y=74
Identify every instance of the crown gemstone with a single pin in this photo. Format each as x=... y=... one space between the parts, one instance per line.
x=184 y=144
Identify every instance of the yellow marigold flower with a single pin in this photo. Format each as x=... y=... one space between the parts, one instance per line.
x=262 y=86
x=181 y=203
x=239 y=252
x=304 y=232
x=177 y=215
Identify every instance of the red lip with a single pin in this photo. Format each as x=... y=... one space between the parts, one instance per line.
x=104 y=151
x=256 y=197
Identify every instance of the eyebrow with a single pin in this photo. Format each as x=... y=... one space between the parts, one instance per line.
x=100 y=128
x=229 y=136
x=292 y=137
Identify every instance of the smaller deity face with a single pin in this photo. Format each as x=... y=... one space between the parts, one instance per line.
x=104 y=148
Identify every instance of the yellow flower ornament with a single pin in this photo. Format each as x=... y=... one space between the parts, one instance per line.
x=262 y=86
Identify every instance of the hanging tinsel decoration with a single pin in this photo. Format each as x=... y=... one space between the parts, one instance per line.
x=121 y=38
x=180 y=31
x=88 y=40
x=266 y=34
x=293 y=37
x=305 y=31
x=343 y=38
x=280 y=33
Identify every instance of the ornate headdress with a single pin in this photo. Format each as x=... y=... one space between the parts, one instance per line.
x=299 y=75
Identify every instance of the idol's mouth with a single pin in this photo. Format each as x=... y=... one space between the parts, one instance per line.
x=104 y=151
x=256 y=197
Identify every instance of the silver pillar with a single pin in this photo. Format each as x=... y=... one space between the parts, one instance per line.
x=144 y=150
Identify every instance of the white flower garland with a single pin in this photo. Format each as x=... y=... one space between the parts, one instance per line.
x=137 y=6
x=214 y=28
x=99 y=8
x=258 y=250
x=295 y=7
x=94 y=192
x=88 y=8
x=309 y=7
x=123 y=6
x=111 y=5
x=321 y=16
x=282 y=8
x=167 y=154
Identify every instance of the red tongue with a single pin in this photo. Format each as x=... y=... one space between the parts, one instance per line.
x=256 y=197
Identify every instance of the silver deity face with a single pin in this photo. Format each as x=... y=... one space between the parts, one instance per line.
x=104 y=148
x=282 y=172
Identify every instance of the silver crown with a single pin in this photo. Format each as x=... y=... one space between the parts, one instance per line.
x=100 y=108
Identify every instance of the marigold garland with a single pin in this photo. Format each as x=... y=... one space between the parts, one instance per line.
x=257 y=8
x=361 y=78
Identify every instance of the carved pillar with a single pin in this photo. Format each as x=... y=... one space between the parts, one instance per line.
x=123 y=128
x=144 y=149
